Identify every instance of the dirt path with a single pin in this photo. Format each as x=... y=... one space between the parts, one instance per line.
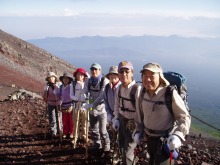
x=24 y=139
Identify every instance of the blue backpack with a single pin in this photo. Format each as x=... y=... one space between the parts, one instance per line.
x=177 y=81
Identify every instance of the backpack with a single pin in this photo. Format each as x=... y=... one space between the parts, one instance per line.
x=132 y=96
x=177 y=81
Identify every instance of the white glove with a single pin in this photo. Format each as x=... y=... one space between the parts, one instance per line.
x=46 y=87
x=82 y=97
x=86 y=107
x=75 y=98
x=174 y=142
x=116 y=125
x=136 y=138
x=109 y=118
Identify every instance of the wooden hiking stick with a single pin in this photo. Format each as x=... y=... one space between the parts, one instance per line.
x=77 y=124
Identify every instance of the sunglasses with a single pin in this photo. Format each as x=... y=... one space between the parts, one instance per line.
x=92 y=69
x=124 y=71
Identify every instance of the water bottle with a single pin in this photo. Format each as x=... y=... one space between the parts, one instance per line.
x=90 y=101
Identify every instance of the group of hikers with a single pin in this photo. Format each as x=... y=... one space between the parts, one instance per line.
x=136 y=111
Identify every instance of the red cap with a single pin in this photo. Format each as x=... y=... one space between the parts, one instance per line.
x=81 y=70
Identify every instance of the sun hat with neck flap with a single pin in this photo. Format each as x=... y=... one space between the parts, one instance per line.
x=156 y=68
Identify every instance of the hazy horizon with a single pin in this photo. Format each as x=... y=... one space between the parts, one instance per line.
x=75 y=18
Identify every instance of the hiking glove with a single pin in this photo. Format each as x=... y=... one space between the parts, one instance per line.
x=116 y=125
x=109 y=118
x=86 y=107
x=174 y=142
x=137 y=138
x=46 y=88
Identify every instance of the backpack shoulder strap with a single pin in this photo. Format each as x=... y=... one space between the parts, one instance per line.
x=169 y=96
x=106 y=90
x=133 y=92
x=61 y=86
x=102 y=82
x=74 y=87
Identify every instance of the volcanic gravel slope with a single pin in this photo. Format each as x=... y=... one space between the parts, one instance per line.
x=24 y=139
x=24 y=65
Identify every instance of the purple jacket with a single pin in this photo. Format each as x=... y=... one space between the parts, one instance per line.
x=64 y=94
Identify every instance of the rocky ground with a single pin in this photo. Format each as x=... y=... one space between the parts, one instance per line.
x=24 y=139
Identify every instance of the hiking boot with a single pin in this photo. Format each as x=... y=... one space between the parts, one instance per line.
x=53 y=136
x=107 y=148
x=95 y=146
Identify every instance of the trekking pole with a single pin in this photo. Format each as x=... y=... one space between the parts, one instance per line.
x=114 y=137
x=45 y=116
x=115 y=150
x=77 y=123
x=58 y=120
x=135 y=154
x=88 y=100
x=87 y=133
x=171 y=156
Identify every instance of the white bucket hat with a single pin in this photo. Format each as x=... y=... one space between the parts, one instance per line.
x=51 y=74
x=113 y=69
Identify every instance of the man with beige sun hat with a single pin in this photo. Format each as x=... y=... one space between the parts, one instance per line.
x=154 y=120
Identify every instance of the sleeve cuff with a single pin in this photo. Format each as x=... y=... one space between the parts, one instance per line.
x=180 y=135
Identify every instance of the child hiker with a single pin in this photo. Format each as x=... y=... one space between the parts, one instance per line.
x=52 y=101
x=66 y=105
x=78 y=97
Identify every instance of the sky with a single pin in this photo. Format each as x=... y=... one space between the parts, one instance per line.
x=34 y=19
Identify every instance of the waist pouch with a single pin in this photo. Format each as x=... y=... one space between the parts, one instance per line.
x=67 y=109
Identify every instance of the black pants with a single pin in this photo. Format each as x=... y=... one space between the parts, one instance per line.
x=157 y=155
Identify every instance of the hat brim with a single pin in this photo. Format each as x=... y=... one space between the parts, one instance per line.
x=46 y=79
x=74 y=74
x=152 y=70
x=125 y=67
x=163 y=79
x=107 y=75
x=61 y=78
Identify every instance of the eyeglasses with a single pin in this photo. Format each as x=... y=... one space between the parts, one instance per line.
x=92 y=69
x=124 y=71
